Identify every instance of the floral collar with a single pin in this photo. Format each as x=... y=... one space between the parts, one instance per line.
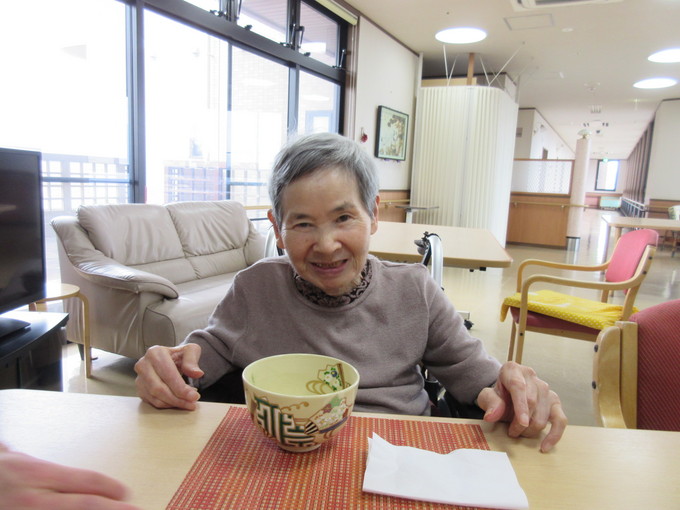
x=319 y=297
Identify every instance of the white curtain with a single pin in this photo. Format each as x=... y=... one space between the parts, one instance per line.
x=463 y=154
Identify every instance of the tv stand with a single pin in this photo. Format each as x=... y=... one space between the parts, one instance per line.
x=30 y=357
x=8 y=325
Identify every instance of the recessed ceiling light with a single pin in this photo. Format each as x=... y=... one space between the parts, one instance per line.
x=666 y=56
x=655 y=83
x=460 y=35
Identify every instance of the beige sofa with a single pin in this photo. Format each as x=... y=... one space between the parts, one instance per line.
x=153 y=273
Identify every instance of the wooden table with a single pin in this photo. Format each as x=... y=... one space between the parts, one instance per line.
x=471 y=248
x=410 y=208
x=618 y=223
x=152 y=450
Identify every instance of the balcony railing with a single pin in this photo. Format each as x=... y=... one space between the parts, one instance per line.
x=632 y=208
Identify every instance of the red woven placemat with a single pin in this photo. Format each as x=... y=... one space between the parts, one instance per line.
x=240 y=468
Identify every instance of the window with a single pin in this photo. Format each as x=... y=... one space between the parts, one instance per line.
x=208 y=5
x=269 y=18
x=318 y=105
x=320 y=35
x=315 y=34
x=259 y=120
x=200 y=115
x=186 y=112
x=607 y=175
x=63 y=93
x=220 y=106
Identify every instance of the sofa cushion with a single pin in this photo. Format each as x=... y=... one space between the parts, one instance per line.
x=131 y=234
x=212 y=234
x=169 y=321
x=142 y=236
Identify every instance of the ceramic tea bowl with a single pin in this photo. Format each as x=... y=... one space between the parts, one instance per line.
x=300 y=400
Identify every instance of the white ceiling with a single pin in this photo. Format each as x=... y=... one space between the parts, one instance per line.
x=566 y=57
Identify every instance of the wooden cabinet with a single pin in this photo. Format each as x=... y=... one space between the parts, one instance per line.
x=538 y=219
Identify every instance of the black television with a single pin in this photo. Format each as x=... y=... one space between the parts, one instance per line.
x=22 y=235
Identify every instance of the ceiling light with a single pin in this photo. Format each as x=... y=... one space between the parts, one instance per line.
x=666 y=56
x=655 y=83
x=460 y=35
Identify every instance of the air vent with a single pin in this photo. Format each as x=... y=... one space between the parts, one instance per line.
x=535 y=4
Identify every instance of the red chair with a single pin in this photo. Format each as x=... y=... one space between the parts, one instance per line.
x=636 y=370
x=554 y=313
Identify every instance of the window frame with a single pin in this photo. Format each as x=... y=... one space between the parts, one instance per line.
x=600 y=163
x=235 y=35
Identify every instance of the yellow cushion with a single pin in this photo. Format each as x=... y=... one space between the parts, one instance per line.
x=586 y=312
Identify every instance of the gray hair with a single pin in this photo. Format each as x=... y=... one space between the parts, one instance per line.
x=307 y=154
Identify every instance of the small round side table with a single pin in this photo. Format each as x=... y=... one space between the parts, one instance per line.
x=60 y=291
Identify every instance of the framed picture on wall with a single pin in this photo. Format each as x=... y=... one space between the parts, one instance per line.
x=391 y=140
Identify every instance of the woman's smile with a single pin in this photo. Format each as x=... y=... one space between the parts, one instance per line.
x=328 y=265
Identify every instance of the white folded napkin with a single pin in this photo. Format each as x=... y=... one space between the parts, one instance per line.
x=463 y=477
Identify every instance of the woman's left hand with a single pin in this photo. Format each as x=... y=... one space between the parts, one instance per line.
x=524 y=400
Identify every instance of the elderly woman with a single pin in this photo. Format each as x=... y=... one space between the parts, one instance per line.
x=329 y=296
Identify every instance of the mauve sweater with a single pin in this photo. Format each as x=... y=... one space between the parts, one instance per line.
x=402 y=318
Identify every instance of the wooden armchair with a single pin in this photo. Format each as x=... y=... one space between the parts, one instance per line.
x=674 y=214
x=555 y=313
x=635 y=370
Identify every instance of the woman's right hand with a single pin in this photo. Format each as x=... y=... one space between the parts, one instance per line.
x=159 y=376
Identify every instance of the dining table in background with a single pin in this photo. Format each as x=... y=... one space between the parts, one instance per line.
x=618 y=223
x=469 y=248
x=408 y=209
x=153 y=450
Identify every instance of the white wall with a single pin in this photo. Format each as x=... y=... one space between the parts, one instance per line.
x=537 y=135
x=525 y=122
x=663 y=179
x=387 y=74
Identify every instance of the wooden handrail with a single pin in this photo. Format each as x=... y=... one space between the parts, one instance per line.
x=388 y=203
x=517 y=202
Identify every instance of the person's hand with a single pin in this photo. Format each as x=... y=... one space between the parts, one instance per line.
x=159 y=376
x=27 y=483
x=524 y=400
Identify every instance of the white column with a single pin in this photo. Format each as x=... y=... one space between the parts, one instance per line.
x=578 y=191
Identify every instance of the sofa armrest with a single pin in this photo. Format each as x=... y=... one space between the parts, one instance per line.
x=94 y=266
x=254 y=248
x=109 y=273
